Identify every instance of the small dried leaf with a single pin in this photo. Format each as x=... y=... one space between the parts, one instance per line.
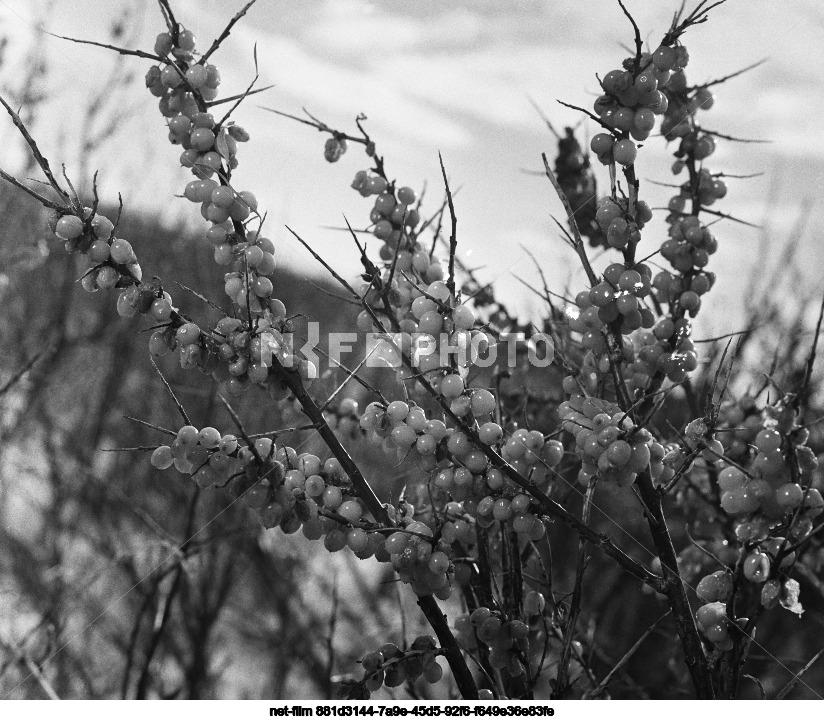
x=770 y=593
x=789 y=596
x=222 y=144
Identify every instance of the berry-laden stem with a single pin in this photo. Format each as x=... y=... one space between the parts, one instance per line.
x=451 y=649
x=313 y=412
x=551 y=508
x=634 y=185
x=674 y=589
x=437 y=620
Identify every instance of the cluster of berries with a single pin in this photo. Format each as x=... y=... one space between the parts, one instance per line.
x=435 y=333
x=392 y=216
x=682 y=104
x=301 y=492
x=760 y=489
x=706 y=189
x=232 y=353
x=506 y=638
x=343 y=417
x=116 y=266
x=238 y=351
x=773 y=450
x=185 y=88
x=606 y=440
x=633 y=96
x=422 y=561
x=92 y=234
x=767 y=487
x=334 y=148
x=667 y=349
x=690 y=242
x=391 y=666
x=516 y=509
x=622 y=223
x=742 y=420
x=670 y=349
x=615 y=302
x=206 y=455
x=688 y=248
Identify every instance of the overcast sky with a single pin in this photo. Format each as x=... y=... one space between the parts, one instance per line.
x=453 y=77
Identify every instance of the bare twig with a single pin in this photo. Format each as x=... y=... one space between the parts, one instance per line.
x=38 y=156
x=231 y=98
x=801 y=396
x=121 y=51
x=226 y=31
x=172 y=394
x=562 y=679
x=639 y=43
x=453 y=238
x=579 y=242
x=724 y=79
x=784 y=692
x=601 y=687
x=27 y=366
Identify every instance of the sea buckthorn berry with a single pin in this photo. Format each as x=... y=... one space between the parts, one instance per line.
x=121 y=251
x=463 y=317
x=757 y=567
x=69 y=227
x=644 y=120
x=717 y=634
x=625 y=152
x=187 y=334
x=163 y=44
x=162 y=458
x=730 y=478
x=664 y=58
x=196 y=76
x=710 y=615
x=616 y=81
x=406 y=196
x=202 y=139
x=708 y=588
x=186 y=40
x=601 y=144
x=102 y=227
x=170 y=76
x=490 y=433
x=768 y=440
x=452 y=386
x=188 y=436
x=107 y=278
x=99 y=251
x=397 y=542
x=789 y=496
x=483 y=402
x=814 y=503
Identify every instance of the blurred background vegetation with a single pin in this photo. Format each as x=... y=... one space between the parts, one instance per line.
x=120 y=581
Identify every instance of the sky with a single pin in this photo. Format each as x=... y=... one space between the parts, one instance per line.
x=454 y=78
